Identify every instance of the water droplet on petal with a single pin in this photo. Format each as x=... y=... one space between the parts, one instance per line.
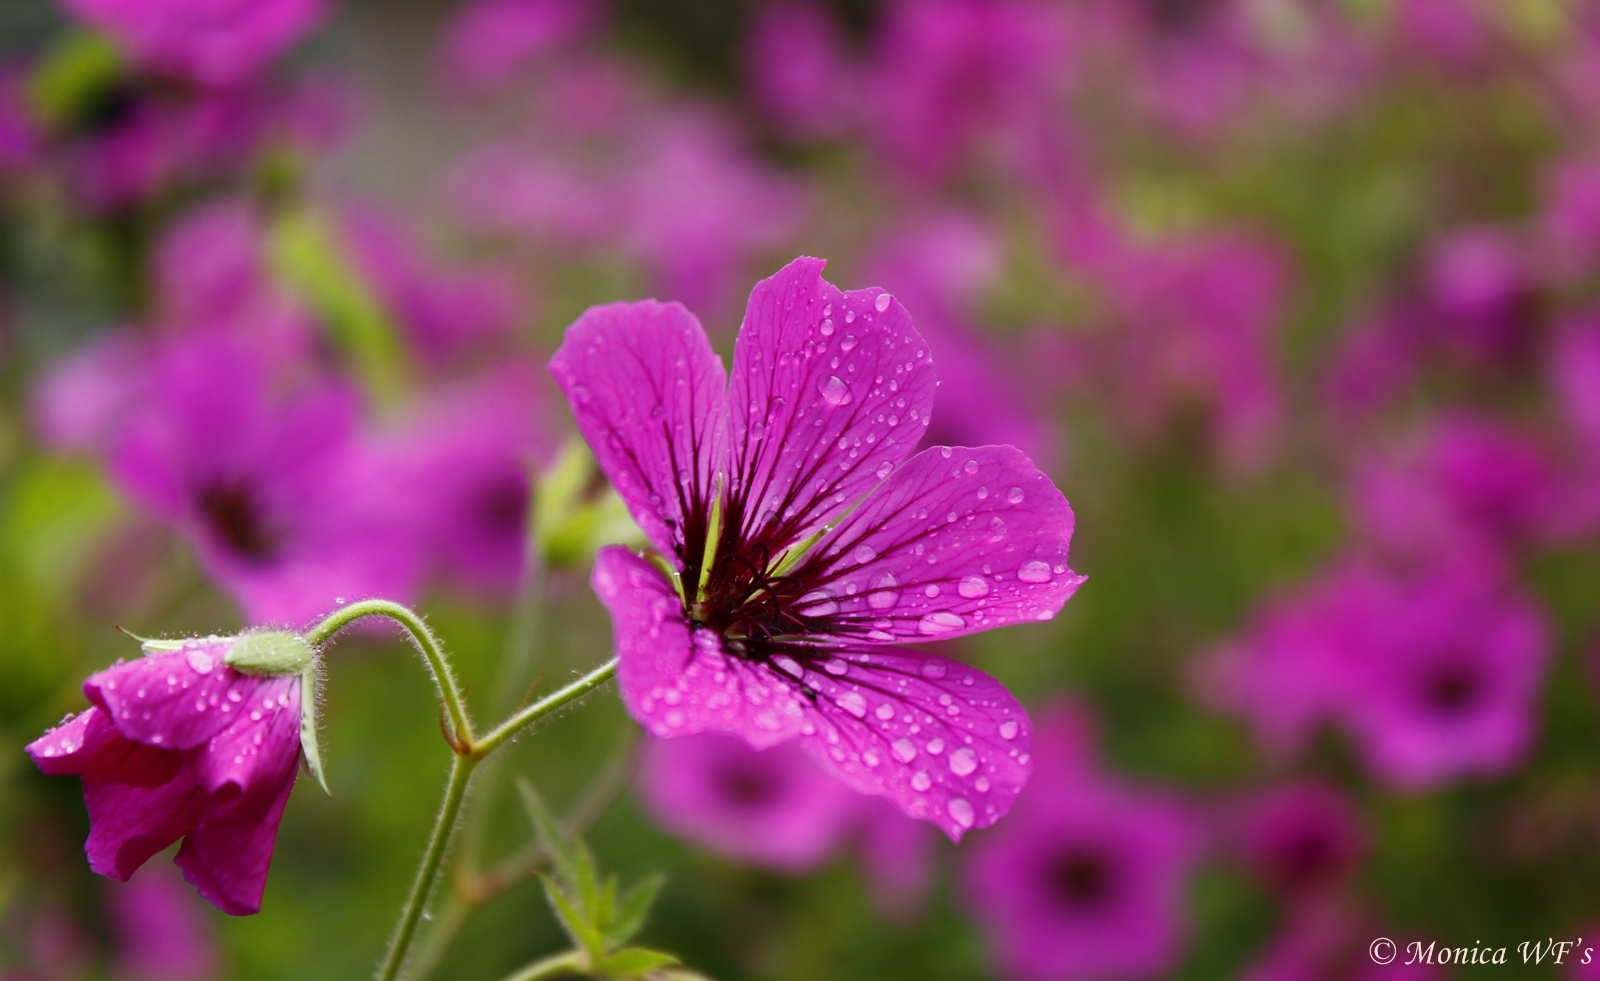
x=971 y=466
x=1008 y=729
x=941 y=622
x=1014 y=495
x=932 y=670
x=903 y=750
x=885 y=469
x=963 y=761
x=882 y=302
x=1034 y=571
x=931 y=590
x=973 y=587
x=885 y=712
x=836 y=667
x=849 y=343
x=835 y=391
x=935 y=746
x=920 y=781
x=961 y=811
x=885 y=592
x=852 y=702
x=200 y=661
x=865 y=553
x=817 y=603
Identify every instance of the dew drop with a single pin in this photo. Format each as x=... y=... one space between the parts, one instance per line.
x=941 y=622
x=817 y=603
x=885 y=469
x=920 y=781
x=835 y=391
x=932 y=670
x=1008 y=729
x=1014 y=495
x=971 y=466
x=961 y=811
x=865 y=553
x=931 y=590
x=849 y=343
x=903 y=750
x=852 y=702
x=1034 y=571
x=200 y=661
x=827 y=328
x=836 y=667
x=973 y=587
x=885 y=712
x=935 y=746
x=885 y=592
x=963 y=761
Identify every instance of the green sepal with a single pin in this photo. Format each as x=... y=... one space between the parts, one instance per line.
x=270 y=653
x=631 y=962
x=308 y=727
x=632 y=908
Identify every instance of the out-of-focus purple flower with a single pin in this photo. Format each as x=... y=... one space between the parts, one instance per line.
x=1328 y=942
x=283 y=505
x=80 y=402
x=160 y=935
x=1576 y=370
x=467 y=455
x=443 y=313
x=1459 y=34
x=1464 y=482
x=1486 y=297
x=488 y=42
x=955 y=80
x=1303 y=838
x=894 y=852
x=20 y=136
x=800 y=72
x=212 y=42
x=774 y=807
x=1435 y=678
x=939 y=269
x=1194 y=319
x=1375 y=361
x=1569 y=214
x=179 y=744
x=1088 y=877
x=792 y=603
x=123 y=162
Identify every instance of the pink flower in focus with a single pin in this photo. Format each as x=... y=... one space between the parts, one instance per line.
x=160 y=934
x=286 y=509
x=774 y=807
x=487 y=42
x=213 y=42
x=792 y=606
x=1087 y=880
x=179 y=744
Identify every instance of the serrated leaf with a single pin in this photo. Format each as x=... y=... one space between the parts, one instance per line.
x=581 y=933
x=630 y=962
x=308 y=727
x=632 y=909
x=549 y=832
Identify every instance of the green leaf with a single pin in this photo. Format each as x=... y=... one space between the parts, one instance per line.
x=582 y=933
x=587 y=883
x=630 y=962
x=607 y=907
x=632 y=909
x=550 y=836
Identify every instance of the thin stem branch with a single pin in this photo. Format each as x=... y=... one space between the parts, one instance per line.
x=569 y=962
x=449 y=693
x=461 y=768
x=544 y=706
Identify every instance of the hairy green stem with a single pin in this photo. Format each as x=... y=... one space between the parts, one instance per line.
x=460 y=725
x=544 y=706
x=460 y=772
x=570 y=962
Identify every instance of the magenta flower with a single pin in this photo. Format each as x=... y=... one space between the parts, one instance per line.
x=1087 y=879
x=799 y=71
x=286 y=508
x=182 y=743
x=213 y=42
x=489 y=41
x=787 y=596
x=161 y=935
x=774 y=808
x=1303 y=838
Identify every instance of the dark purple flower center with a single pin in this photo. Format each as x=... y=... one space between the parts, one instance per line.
x=1304 y=859
x=232 y=511
x=1179 y=16
x=747 y=786
x=1452 y=689
x=1081 y=880
x=501 y=505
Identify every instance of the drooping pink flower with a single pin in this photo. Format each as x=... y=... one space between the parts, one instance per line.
x=181 y=744
x=444 y=313
x=160 y=935
x=1302 y=838
x=794 y=596
x=1087 y=879
x=774 y=807
x=285 y=507
x=465 y=457
x=488 y=42
x=213 y=42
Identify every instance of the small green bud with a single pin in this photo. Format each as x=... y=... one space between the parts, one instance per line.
x=271 y=653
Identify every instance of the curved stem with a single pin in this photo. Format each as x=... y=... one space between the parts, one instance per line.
x=426 y=643
x=461 y=768
x=570 y=962
x=544 y=706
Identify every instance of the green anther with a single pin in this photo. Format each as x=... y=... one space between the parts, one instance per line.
x=713 y=532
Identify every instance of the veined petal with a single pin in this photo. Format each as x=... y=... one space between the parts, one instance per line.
x=227 y=855
x=957 y=541
x=677 y=681
x=944 y=742
x=261 y=749
x=648 y=394
x=87 y=744
x=830 y=392
x=174 y=701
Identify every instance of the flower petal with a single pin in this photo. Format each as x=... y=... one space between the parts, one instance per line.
x=648 y=394
x=177 y=700
x=945 y=742
x=830 y=392
x=262 y=747
x=150 y=803
x=676 y=682
x=87 y=744
x=227 y=855
x=957 y=541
